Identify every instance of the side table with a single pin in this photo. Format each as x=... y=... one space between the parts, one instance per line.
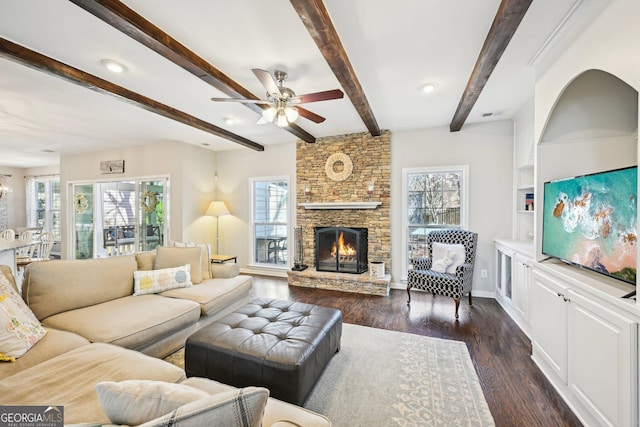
x=220 y=259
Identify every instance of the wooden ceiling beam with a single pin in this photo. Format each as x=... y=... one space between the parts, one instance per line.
x=126 y=20
x=318 y=22
x=37 y=61
x=506 y=22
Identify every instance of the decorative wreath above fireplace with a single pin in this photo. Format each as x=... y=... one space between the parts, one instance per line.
x=338 y=158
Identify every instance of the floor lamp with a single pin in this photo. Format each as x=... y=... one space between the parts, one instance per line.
x=217 y=209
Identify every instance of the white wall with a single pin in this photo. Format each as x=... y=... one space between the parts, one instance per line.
x=16 y=200
x=190 y=169
x=488 y=150
x=234 y=169
x=611 y=43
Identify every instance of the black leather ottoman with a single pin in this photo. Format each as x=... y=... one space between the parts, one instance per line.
x=281 y=345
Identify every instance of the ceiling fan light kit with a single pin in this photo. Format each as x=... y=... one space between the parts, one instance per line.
x=282 y=100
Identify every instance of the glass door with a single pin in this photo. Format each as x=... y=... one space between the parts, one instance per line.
x=152 y=214
x=83 y=221
x=119 y=217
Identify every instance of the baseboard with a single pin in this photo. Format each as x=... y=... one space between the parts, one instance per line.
x=264 y=271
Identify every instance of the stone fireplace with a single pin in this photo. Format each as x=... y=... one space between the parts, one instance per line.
x=344 y=181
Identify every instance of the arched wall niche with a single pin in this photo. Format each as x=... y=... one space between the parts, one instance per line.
x=592 y=127
x=596 y=104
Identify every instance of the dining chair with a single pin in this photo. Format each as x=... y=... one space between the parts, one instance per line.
x=25 y=251
x=7 y=235
x=42 y=251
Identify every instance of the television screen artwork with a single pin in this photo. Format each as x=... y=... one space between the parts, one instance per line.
x=591 y=221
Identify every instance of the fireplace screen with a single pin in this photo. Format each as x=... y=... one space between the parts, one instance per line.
x=341 y=249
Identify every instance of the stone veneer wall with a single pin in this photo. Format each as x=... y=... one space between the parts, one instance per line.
x=371 y=158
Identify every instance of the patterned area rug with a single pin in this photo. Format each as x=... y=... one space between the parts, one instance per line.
x=385 y=378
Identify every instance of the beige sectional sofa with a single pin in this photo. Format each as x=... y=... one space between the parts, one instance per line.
x=97 y=330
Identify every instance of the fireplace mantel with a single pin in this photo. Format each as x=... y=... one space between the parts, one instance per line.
x=340 y=205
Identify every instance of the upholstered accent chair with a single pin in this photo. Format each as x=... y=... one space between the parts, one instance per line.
x=448 y=270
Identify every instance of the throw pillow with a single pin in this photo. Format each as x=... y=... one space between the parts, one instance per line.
x=19 y=328
x=173 y=257
x=439 y=253
x=155 y=281
x=205 y=256
x=441 y=265
x=134 y=402
x=235 y=408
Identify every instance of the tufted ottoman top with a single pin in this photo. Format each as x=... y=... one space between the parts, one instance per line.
x=275 y=330
x=281 y=345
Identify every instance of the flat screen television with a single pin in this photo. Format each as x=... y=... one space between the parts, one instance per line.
x=591 y=221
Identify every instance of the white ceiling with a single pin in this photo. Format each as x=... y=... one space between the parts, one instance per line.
x=394 y=47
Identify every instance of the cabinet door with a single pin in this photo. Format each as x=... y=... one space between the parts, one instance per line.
x=549 y=323
x=602 y=353
x=520 y=295
x=503 y=272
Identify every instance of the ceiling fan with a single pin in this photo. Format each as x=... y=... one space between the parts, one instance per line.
x=284 y=104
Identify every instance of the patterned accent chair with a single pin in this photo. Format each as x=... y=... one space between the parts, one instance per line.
x=454 y=285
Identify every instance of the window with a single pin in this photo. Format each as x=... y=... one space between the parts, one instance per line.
x=43 y=203
x=432 y=198
x=270 y=217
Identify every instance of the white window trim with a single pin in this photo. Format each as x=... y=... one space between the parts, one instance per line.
x=464 y=212
x=268 y=267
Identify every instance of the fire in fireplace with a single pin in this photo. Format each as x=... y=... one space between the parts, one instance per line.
x=341 y=249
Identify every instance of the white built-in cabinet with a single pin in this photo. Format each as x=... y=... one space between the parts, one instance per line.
x=513 y=260
x=585 y=340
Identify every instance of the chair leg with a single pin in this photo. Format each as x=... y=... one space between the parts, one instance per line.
x=470 y=302
x=409 y=293
x=457 y=300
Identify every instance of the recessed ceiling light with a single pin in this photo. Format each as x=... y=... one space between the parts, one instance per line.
x=229 y=120
x=114 y=66
x=428 y=87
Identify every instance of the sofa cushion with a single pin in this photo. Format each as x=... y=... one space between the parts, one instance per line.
x=225 y=271
x=70 y=379
x=205 y=257
x=6 y=270
x=131 y=322
x=214 y=295
x=134 y=402
x=236 y=408
x=52 y=287
x=276 y=411
x=145 y=260
x=175 y=257
x=156 y=281
x=19 y=328
x=54 y=343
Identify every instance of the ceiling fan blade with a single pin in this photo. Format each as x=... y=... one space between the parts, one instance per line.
x=267 y=81
x=242 y=100
x=318 y=96
x=309 y=115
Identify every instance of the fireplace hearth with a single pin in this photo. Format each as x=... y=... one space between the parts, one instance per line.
x=341 y=249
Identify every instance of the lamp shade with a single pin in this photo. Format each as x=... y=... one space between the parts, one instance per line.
x=217 y=208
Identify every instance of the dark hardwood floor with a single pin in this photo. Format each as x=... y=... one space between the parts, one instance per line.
x=515 y=389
